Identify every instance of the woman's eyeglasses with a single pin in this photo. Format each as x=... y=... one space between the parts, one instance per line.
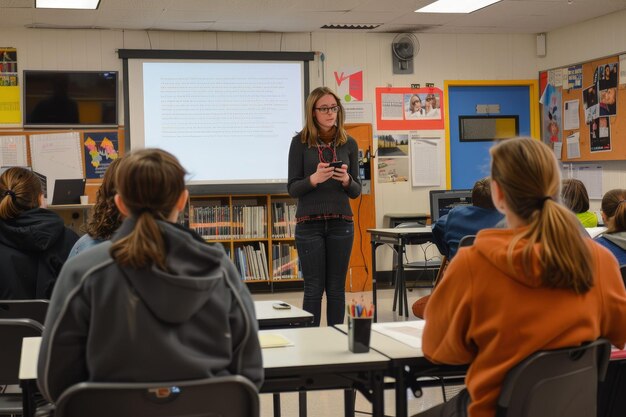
x=326 y=110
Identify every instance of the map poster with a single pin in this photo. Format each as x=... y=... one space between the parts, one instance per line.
x=101 y=148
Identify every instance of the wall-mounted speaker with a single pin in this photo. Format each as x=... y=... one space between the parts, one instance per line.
x=541 y=45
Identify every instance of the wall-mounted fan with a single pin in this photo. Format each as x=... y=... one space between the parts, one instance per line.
x=403 y=49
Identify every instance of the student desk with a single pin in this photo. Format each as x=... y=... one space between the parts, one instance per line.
x=402 y=357
x=271 y=318
x=319 y=359
x=399 y=238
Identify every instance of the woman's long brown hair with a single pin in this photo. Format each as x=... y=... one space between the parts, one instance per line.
x=149 y=182
x=310 y=132
x=528 y=176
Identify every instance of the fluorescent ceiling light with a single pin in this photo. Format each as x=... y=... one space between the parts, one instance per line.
x=67 y=4
x=456 y=6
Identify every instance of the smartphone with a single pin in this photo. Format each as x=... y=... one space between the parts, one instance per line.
x=336 y=164
x=281 y=306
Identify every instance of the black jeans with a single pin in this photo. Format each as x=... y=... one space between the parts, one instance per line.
x=324 y=248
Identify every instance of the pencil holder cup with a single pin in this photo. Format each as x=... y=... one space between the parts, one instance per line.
x=359 y=330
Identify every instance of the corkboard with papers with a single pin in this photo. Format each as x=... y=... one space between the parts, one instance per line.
x=583 y=114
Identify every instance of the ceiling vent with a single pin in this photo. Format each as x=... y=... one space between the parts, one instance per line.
x=364 y=26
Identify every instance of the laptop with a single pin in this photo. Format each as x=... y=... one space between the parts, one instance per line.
x=68 y=191
x=442 y=201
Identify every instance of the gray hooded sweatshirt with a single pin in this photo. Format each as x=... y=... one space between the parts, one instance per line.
x=108 y=323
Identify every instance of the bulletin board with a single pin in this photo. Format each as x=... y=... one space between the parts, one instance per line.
x=597 y=89
x=97 y=149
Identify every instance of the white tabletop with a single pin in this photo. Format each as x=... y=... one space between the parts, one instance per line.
x=28 y=360
x=314 y=346
x=265 y=311
x=403 y=230
x=389 y=346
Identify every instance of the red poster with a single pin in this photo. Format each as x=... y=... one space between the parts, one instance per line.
x=409 y=108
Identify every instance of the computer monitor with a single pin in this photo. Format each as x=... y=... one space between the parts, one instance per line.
x=442 y=201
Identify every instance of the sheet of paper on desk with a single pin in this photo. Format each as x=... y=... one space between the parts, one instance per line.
x=407 y=332
x=272 y=340
x=595 y=231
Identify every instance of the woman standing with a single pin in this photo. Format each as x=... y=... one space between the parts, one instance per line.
x=34 y=242
x=538 y=285
x=154 y=303
x=324 y=230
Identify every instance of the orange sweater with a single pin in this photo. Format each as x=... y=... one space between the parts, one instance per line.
x=490 y=316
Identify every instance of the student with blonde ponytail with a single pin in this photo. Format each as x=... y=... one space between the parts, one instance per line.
x=155 y=303
x=34 y=242
x=490 y=309
x=614 y=217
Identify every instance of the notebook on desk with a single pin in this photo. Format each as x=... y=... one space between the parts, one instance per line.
x=68 y=191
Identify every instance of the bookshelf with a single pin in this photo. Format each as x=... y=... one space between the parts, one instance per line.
x=257 y=232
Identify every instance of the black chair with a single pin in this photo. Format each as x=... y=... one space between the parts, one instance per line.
x=560 y=382
x=467 y=241
x=432 y=264
x=12 y=331
x=24 y=309
x=611 y=399
x=229 y=396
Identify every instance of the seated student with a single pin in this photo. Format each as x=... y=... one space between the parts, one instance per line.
x=34 y=242
x=461 y=221
x=105 y=217
x=154 y=303
x=466 y=220
x=490 y=309
x=614 y=217
x=574 y=196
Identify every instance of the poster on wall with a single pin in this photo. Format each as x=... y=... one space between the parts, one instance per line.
x=425 y=161
x=607 y=77
x=393 y=170
x=600 y=134
x=101 y=148
x=590 y=103
x=349 y=84
x=393 y=144
x=551 y=115
x=409 y=108
x=9 y=89
x=574 y=77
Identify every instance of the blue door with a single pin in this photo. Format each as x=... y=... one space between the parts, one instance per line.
x=469 y=161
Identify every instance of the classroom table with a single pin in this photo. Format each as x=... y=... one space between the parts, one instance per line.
x=271 y=318
x=406 y=362
x=399 y=238
x=317 y=359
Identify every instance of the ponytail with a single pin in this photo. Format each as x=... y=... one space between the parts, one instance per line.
x=529 y=178
x=20 y=190
x=150 y=183
x=614 y=208
x=143 y=246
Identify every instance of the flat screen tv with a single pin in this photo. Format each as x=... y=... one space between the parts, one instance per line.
x=70 y=98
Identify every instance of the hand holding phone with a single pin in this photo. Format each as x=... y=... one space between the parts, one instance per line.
x=336 y=164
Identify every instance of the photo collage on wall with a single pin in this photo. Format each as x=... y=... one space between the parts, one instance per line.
x=600 y=103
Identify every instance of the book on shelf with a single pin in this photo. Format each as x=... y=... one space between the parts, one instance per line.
x=249 y=222
x=211 y=222
x=251 y=262
x=285 y=263
x=284 y=220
